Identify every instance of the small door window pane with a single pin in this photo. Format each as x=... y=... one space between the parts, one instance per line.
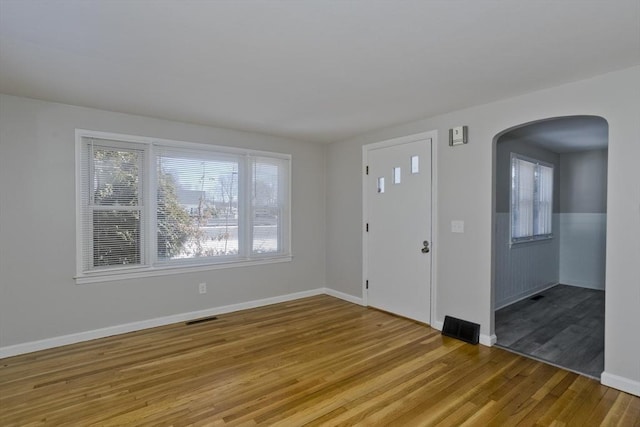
x=415 y=164
x=397 y=175
x=381 y=184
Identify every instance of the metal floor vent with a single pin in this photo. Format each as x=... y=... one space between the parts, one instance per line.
x=536 y=298
x=201 y=320
x=461 y=329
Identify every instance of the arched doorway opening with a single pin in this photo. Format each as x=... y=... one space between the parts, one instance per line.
x=549 y=241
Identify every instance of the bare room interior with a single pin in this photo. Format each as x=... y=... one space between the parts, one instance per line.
x=355 y=212
x=549 y=286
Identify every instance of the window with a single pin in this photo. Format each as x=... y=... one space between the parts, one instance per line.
x=531 y=199
x=113 y=207
x=148 y=207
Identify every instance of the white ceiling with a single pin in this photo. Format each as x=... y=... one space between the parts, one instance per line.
x=316 y=70
x=565 y=134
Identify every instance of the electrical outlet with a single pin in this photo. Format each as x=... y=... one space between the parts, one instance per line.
x=202 y=288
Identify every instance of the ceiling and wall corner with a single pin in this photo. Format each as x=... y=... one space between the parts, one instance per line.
x=316 y=70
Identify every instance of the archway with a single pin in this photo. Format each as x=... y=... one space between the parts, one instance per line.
x=549 y=241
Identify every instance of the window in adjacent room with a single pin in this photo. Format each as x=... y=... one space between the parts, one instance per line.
x=531 y=199
x=146 y=206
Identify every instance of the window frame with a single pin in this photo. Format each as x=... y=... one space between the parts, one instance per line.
x=150 y=265
x=141 y=207
x=532 y=237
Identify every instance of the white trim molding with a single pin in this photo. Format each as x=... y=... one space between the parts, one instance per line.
x=431 y=135
x=610 y=380
x=620 y=383
x=486 y=340
x=28 y=347
x=341 y=295
x=165 y=271
x=524 y=295
x=150 y=151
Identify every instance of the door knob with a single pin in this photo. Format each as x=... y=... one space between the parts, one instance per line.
x=425 y=249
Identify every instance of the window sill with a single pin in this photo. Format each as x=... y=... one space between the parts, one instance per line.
x=528 y=242
x=143 y=272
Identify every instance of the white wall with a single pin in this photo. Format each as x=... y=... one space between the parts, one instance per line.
x=583 y=218
x=465 y=181
x=38 y=296
x=583 y=243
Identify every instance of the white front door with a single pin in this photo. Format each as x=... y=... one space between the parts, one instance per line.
x=398 y=217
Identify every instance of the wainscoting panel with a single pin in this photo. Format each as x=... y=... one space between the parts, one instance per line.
x=526 y=268
x=582 y=249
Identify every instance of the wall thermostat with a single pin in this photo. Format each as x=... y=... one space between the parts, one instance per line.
x=458 y=135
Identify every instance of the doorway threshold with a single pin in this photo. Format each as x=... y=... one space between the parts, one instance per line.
x=548 y=362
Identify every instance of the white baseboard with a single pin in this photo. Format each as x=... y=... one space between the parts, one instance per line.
x=343 y=296
x=620 y=383
x=524 y=295
x=578 y=284
x=28 y=347
x=611 y=380
x=487 y=340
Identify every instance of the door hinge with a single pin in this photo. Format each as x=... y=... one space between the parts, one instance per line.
x=367 y=285
x=367 y=227
x=367 y=170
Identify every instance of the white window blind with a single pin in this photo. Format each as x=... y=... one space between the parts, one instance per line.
x=112 y=205
x=269 y=180
x=152 y=206
x=198 y=209
x=531 y=199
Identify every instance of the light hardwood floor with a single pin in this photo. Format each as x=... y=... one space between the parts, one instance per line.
x=314 y=361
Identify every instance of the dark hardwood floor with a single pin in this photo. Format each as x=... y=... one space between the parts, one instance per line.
x=564 y=327
x=315 y=361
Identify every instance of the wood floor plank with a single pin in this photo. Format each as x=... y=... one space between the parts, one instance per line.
x=316 y=361
x=565 y=327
